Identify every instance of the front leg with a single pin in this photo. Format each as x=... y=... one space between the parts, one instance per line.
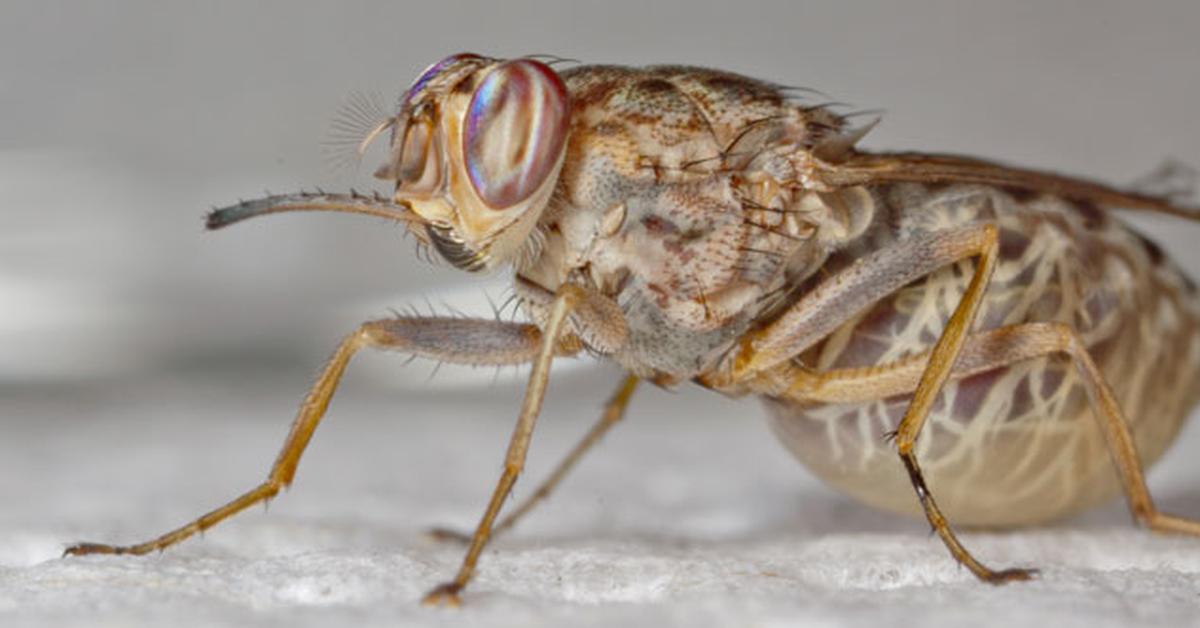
x=594 y=313
x=463 y=341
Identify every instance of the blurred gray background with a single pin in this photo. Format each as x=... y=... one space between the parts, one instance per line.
x=124 y=122
x=148 y=369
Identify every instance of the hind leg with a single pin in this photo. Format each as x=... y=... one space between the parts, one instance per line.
x=982 y=352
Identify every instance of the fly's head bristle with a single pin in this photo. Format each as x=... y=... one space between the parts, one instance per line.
x=362 y=117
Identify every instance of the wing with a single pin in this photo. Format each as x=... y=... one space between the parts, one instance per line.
x=858 y=168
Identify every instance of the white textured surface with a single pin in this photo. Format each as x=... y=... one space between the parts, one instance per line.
x=688 y=515
x=125 y=121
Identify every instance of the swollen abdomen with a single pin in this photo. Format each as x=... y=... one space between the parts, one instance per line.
x=1019 y=444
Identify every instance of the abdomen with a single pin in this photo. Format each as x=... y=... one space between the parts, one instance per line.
x=1016 y=445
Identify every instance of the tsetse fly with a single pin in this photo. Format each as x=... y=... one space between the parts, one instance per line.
x=935 y=335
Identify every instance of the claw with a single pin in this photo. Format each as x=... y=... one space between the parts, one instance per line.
x=444 y=595
x=83 y=549
x=448 y=535
x=1015 y=574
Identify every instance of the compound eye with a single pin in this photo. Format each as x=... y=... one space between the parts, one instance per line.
x=516 y=130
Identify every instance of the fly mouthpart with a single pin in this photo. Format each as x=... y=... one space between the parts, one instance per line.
x=454 y=250
x=353 y=203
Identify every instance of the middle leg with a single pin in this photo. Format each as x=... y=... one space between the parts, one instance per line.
x=614 y=411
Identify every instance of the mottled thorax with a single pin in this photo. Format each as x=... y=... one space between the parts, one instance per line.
x=680 y=199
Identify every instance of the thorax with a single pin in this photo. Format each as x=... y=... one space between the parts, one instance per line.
x=678 y=201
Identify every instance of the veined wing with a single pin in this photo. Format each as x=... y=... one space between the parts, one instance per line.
x=858 y=168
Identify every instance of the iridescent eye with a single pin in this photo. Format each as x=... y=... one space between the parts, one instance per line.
x=516 y=129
